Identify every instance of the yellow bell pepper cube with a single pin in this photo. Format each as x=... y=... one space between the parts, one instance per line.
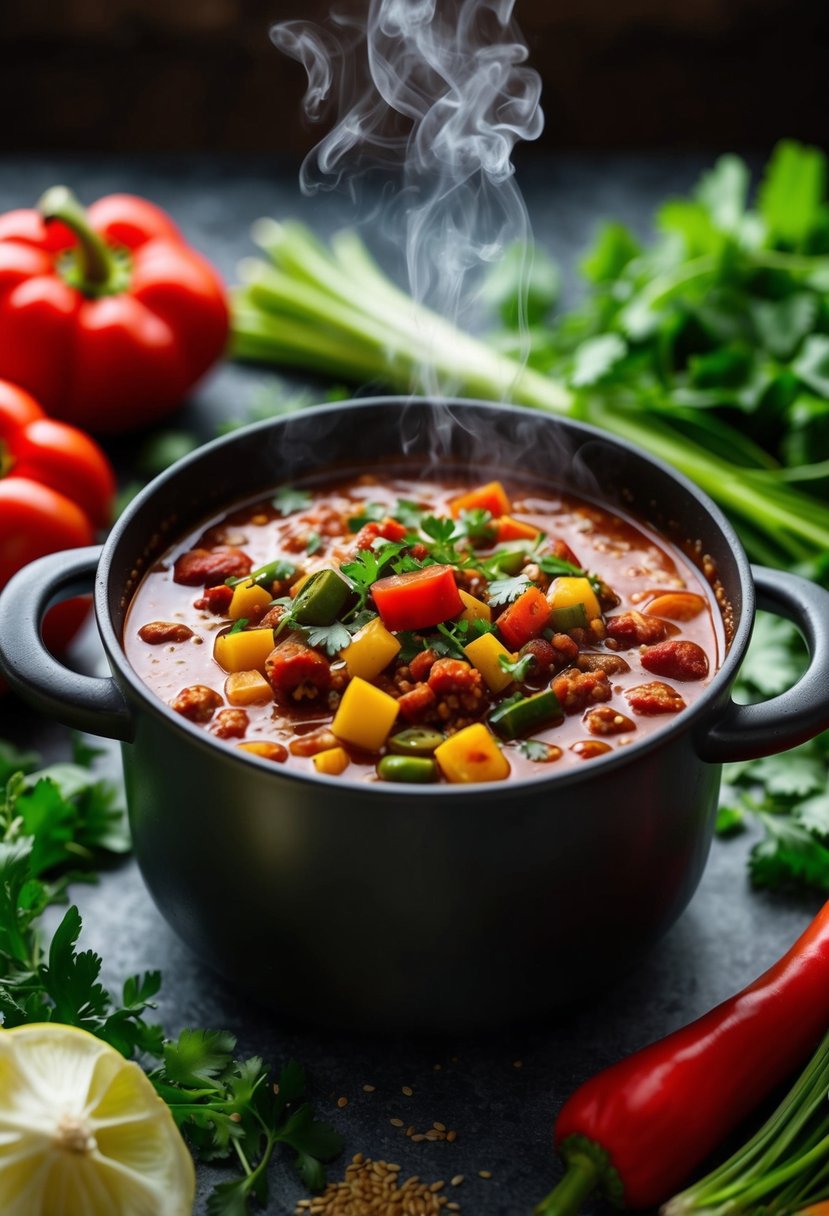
x=245 y=650
x=247 y=688
x=371 y=650
x=248 y=600
x=474 y=610
x=332 y=762
x=365 y=716
x=268 y=751
x=567 y=591
x=472 y=755
x=483 y=653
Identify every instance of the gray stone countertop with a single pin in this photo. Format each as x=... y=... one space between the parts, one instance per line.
x=500 y=1091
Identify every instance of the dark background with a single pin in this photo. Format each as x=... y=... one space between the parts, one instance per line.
x=154 y=75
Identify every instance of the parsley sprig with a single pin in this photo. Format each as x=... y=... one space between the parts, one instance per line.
x=57 y=824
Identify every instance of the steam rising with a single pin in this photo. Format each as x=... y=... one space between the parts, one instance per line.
x=438 y=93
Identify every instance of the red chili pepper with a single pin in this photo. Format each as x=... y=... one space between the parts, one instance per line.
x=56 y=488
x=639 y=1128
x=106 y=316
x=417 y=599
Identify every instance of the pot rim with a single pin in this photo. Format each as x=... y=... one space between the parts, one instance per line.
x=600 y=765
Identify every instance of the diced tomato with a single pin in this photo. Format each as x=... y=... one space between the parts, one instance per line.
x=508 y=528
x=417 y=599
x=215 y=599
x=415 y=703
x=388 y=529
x=492 y=497
x=525 y=618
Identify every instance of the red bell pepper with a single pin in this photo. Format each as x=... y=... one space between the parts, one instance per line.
x=56 y=489
x=417 y=599
x=640 y=1127
x=106 y=316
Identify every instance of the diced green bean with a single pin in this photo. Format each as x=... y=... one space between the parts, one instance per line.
x=415 y=770
x=520 y=716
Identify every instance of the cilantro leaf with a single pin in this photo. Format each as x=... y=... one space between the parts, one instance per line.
x=197 y=1057
x=330 y=638
x=519 y=669
x=791 y=196
x=289 y=501
x=812 y=364
x=370 y=512
x=788 y=855
x=505 y=590
x=595 y=358
x=775 y=658
x=408 y=513
x=535 y=749
x=476 y=526
x=14 y=761
x=613 y=249
x=313 y=543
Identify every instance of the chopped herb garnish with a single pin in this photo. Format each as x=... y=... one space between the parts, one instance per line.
x=442 y=532
x=287 y=500
x=313 y=543
x=408 y=513
x=367 y=567
x=239 y=625
x=476 y=526
x=519 y=669
x=405 y=564
x=330 y=638
x=556 y=566
x=369 y=513
x=271 y=573
x=534 y=749
x=505 y=590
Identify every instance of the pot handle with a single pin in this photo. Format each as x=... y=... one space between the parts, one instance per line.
x=88 y=703
x=744 y=732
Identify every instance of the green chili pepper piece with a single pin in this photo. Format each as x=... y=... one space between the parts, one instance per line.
x=322 y=599
x=265 y=575
x=516 y=718
x=574 y=616
x=510 y=561
x=416 y=741
x=414 y=770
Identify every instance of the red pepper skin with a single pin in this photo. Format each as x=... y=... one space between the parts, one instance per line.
x=417 y=599
x=660 y=1112
x=56 y=488
x=124 y=354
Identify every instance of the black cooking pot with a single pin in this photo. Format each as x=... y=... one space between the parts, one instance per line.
x=385 y=905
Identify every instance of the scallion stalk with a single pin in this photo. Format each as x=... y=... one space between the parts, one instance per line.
x=331 y=309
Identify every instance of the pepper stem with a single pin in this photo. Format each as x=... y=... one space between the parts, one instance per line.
x=579 y=1181
x=96 y=266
